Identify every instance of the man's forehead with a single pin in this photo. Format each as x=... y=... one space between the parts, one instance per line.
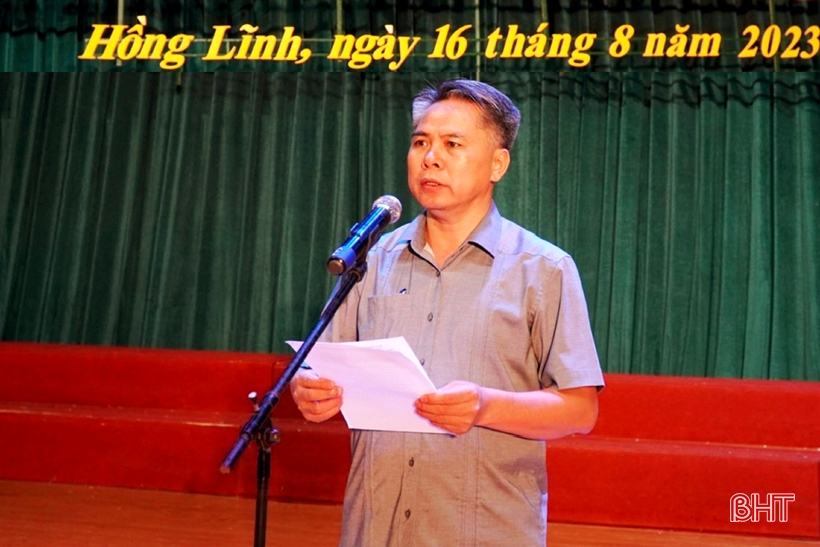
x=427 y=131
x=441 y=118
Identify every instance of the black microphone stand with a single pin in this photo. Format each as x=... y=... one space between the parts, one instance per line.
x=260 y=426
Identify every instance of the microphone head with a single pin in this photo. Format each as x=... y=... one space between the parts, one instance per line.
x=392 y=204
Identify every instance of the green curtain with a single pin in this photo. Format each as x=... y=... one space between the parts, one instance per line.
x=197 y=210
x=40 y=35
x=692 y=204
x=141 y=210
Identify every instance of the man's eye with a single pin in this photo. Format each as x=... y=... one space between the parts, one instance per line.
x=453 y=144
x=419 y=143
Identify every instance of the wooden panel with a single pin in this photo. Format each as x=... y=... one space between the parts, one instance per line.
x=758 y=412
x=168 y=450
x=679 y=485
x=132 y=377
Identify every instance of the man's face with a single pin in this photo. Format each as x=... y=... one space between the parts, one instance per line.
x=454 y=161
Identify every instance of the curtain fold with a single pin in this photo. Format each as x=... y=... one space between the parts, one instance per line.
x=149 y=210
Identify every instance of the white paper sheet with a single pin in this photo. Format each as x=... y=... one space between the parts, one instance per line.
x=381 y=379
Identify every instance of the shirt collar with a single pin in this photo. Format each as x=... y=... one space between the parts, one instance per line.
x=485 y=236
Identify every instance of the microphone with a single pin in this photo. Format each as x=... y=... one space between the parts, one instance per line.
x=386 y=210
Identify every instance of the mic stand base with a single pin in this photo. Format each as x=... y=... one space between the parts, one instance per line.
x=265 y=439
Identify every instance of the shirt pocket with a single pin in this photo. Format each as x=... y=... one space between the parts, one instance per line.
x=386 y=316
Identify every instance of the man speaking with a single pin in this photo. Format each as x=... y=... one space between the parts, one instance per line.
x=498 y=319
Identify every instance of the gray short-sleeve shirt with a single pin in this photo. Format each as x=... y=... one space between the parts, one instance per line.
x=505 y=311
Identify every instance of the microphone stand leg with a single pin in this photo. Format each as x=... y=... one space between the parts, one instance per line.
x=265 y=439
x=259 y=427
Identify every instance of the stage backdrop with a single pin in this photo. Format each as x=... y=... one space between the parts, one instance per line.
x=197 y=211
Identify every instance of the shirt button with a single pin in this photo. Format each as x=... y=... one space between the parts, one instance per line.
x=422 y=362
x=430 y=316
x=438 y=273
x=412 y=462
x=407 y=513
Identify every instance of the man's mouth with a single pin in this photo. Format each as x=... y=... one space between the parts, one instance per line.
x=430 y=182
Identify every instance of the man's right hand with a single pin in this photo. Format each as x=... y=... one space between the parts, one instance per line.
x=318 y=399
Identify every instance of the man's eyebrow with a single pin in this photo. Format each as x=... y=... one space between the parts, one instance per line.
x=446 y=135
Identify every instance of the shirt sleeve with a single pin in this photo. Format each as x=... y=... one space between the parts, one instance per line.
x=565 y=342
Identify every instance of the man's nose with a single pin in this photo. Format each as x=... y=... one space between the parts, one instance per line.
x=431 y=158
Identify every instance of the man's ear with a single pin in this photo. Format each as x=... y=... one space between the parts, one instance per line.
x=501 y=161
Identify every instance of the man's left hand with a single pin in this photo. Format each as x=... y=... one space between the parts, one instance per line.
x=455 y=407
